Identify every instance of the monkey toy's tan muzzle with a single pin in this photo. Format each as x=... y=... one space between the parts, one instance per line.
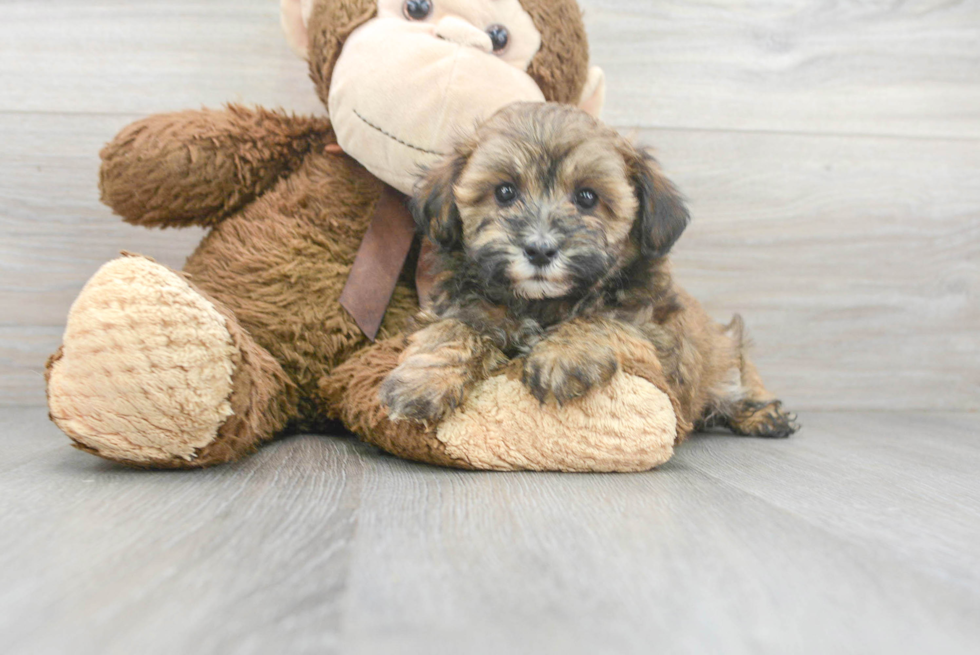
x=398 y=115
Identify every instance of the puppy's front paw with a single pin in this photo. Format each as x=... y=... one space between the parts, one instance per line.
x=567 y=372
x=417 y=391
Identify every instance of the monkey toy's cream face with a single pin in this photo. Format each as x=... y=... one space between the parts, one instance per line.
x=421 y=73
x=499 y=27
x=417 y=75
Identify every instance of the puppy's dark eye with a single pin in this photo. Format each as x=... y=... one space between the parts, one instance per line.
x=418 y=9
x=505 y=194
x=586 y=198
x=499 y=36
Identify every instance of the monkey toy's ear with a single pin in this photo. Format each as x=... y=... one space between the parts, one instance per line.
x=434 y=204
x=662 y=216
x=295 y=16
x=594 y=94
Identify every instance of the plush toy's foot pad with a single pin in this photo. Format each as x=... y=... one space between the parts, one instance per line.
x=145 y=372
x=628 y=425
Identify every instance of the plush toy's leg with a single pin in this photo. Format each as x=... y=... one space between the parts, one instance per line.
x=351 y=394
x=154 y=373
x=629 y=424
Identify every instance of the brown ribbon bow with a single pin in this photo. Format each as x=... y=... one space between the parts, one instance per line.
x=379 y=263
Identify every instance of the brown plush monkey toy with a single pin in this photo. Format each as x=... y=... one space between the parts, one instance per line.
x=167 y=369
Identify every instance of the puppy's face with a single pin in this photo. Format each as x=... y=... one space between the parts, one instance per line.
x=546 y=202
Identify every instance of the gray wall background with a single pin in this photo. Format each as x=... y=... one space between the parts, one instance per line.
x=830 y=151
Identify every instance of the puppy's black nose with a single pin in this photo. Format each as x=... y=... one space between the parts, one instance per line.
x=540 y=253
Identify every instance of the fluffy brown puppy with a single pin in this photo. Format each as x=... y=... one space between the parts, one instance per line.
x=554 y=233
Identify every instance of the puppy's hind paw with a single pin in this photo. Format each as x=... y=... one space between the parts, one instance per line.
x=764 y=419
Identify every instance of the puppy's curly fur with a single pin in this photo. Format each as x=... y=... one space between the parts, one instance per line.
x=553 y=233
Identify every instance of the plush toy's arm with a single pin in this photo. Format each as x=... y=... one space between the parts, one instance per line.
x=199 y=167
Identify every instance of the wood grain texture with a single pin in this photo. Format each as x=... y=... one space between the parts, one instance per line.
x=829 y=152
x=811 y=66
x=854 y=260
x=23 y=351
x=116 y=56
x=854 y=67
x=857 y=536
x=102 y=559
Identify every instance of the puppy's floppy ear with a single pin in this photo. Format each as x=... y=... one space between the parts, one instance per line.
x=662 y=216
x=434 y=203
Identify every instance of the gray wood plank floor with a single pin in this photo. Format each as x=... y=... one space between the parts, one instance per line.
x=859 y=535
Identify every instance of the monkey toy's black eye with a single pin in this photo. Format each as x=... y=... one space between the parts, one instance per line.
x=418 y=9
x=586 y=198
x=499 y=36
x=505 y=194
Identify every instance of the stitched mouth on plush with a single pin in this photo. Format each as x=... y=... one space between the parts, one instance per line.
x=396 y=115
